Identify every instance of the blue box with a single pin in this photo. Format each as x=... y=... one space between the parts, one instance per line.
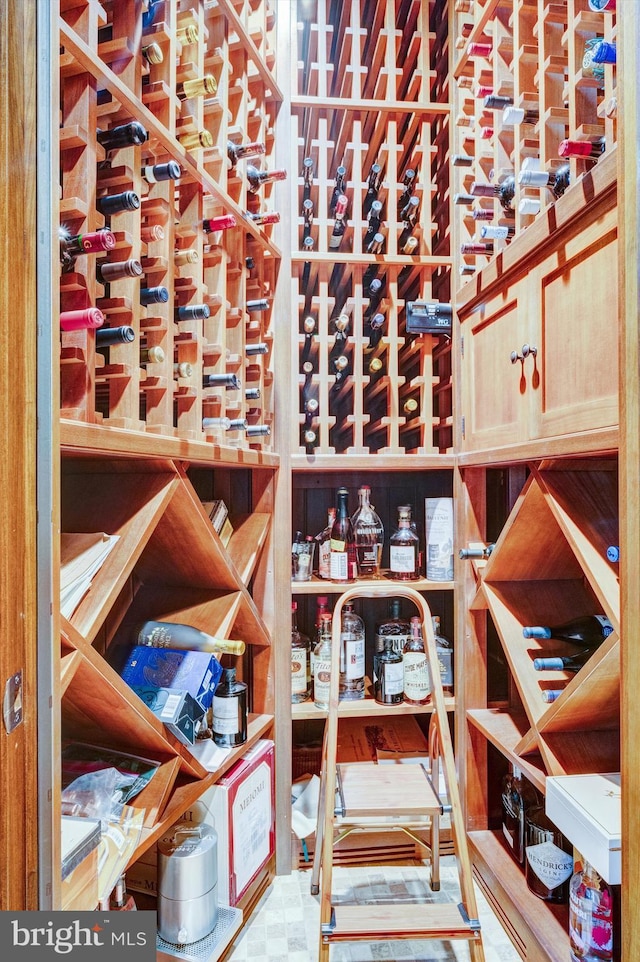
x=180 y=712
x=197 y=672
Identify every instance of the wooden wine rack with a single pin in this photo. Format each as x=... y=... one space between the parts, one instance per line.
x=369 y=88
x=534 y=54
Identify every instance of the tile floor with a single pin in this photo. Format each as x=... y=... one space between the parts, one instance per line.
x=284 y=926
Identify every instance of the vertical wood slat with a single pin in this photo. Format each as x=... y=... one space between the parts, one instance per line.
x=18 y=574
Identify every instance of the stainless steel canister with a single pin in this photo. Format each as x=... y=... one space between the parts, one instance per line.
x=187 y=883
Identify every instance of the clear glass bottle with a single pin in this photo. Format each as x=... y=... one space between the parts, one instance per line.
x=518 y=796
x=444 y=651
x=369 y=535
x=322 y=608
x=394 y=627
x=230 y=711
x=591 y=935
x=548 y=857
x=390 y=674
x=417 y=680
x=300 y=661
x=322 y=665
x=324 y=546
x=342 y=559
x=404 y=547
x=351 y=683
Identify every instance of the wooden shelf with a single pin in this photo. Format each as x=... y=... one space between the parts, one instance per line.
x=319 y=586
x=365 y=708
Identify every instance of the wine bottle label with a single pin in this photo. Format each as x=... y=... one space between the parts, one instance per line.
x=402 y=558
x=549 y=863
x=225 y=715
x=324 y=559
x=298 y=671
x=338 y=564
x=392 y=677
x=321 y=681
x=353 y=667
x=416 y=676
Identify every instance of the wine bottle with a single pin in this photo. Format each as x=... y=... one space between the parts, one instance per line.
x=187 y=34
x=166 y=634
x=195 y=139
x=257 y=431
x=107 y=336
x=224 y=424
x=341 y=367
x=507 y=191
x=93 y=242
x=343 y=560
x=375 y=365
x=604 y=52
x=496 y=102
x=476 y=49
x=591 y=149
x=477 y=248
x=482 y=213
x=230 y=711
x=369 y=535
x=404 y=548
x=260 y=304
x=512 y=116
x=87 y=319
x=409 y=246
x=388 y=687
x=109 y=271
x=222 y=222
x=530 y=206
x=254 y=349
x=182 y=369
x=341 y=326
x=600 y=6
x=589 y=630
x=563 y=662
x=497 y=231
x=156 y=173
x=230 y=382
x=252 y=394
x=462 y=160
x=373 y=187
x=307 y=177
x=153 y=295
x=476 y=551
x=236 y=152
x=373 y=220
x=548 y=857
x=340 y=224
x=257 y=178
x=410 y=406
x=307 y=215
x=409 y=213
x=188 y=256
x=116 y=203
x=518 y=796
x=464 y=200
x=338 y=188
x=322 y=665
x=375 y=244
x=374 y=329
x=152 y=53
x=263 y=218
x=120 y=900
x=613 y=553
x=300 y=661
x=351 y=680
x=205 y=86
x=124 y=135
x=591 y=918
x=151 y=233
x=416 y=681
x=152 y=355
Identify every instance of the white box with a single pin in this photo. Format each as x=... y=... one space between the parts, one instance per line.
x=586 y=808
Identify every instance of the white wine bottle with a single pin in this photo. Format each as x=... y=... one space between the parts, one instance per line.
x=166 y=634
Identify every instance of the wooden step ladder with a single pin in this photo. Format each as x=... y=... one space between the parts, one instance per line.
x=365 y=795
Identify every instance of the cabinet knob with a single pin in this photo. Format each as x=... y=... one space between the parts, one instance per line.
x=527 y=350
x=516 y=357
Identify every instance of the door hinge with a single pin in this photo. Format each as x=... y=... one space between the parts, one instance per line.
x=462 y=427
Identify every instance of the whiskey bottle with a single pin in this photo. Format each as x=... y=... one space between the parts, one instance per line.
x=342 y=560
x=518 y=796
x=230 y=711
x=444 y=651
x=322 y=665
x=124 y=135
x=351 y=681
x=417 y=680
x=300 y=662
x=257 y=178
x=394 y=627
x=591 y=917
x=369 y=535
x=324 y=546
x=388 y=687
x=322 y=608
x=166 y=634
x=589 y=630
x=548 y=858
x=404 y=548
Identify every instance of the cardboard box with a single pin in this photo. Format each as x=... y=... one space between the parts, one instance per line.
x=360 y=739
x=197 y=672
x=176 y=709
x=586 y=808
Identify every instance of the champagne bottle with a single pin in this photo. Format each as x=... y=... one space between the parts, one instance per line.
x=195 y=139
x=342 y=561
x=351 y=681
x=116 y=203
x=107 y=336
x=300 y=661
x=166 y=634
x=124 y=135
x=417 y=681
x=109 y=271
x=404 y=548
x=222 y=222
x=369 y=535
x=205 y=86
x=230 y=382
x=388 y=687
x=257 y=178
x=230 y=711
x=156 y=173
x=87 y=319
x=589 y=630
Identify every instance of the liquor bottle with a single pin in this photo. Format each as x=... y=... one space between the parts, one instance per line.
x=157 y=173
x=591 y=149
x=205 y=86
x=152 y=53
x=115 y=335
x=116 y=203
x=369 y=535
x=222 y=222
x=322 y=665
x=324 y=546
x=85 y=320
x=518 y=796
x=394 y=627
x=151 y=233
x=264 y=217
x=338 y=188
x=230 y=382
x=548 y=858
x=236 y=152
x=404 y=548
x=444 y=651
x=477 y=551
x=342 y=560
x=340 y=224
x=591 y=936
x=589 y=630
x=512 y=116
x=351 y=681
x=153 y=295
x=109 y=271
x=257 y=177
x=152 y=355
x=121 y=900
x=257 y=431
x=195 y=139
x=230 y=711
x=300 y=662
x=166 y=634
x=388 y=687
x=417 y=680
x=124 y=135
x=563 y=662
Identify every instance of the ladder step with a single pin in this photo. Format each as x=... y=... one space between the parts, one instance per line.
x=369 y=923
x=368 y=789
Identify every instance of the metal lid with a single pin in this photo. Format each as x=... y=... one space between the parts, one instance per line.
x=187 y=861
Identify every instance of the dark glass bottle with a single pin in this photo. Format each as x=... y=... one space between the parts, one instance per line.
x=155 y=173
x=153 y=295
x=124 y=135
x=373 y=186
x=548 y=857
x=230 y=382
x=388 y=686
x=87 y=319
x=479 y=551
x=230 y=711
x=518 y=796
x=116 y=203
x=192 y=312
x=589 y=630
x=563 y=662
x=342 y=560
x=236 y=152
x=340 y=224
x=115 y=335
x=394 y=627
x=257 y=178
x=507 y=191
x=338 y=188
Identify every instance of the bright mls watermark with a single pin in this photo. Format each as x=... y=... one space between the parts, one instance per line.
x=79 y=936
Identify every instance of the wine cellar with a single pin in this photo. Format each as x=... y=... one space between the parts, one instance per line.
x=286 y=256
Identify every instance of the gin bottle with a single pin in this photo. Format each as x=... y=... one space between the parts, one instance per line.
x=417 y=681
x=369 y=535
x=300 y=662
x=394 y=627
x=351 y=683
x=549 y=862
x=404 y=548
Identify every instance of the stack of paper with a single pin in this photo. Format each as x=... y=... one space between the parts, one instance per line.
x=81 y=556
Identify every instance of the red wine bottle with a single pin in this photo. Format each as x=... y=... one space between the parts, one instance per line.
x=124 y=135
x=342 y=560
x=86 y=319
x=115 y=203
